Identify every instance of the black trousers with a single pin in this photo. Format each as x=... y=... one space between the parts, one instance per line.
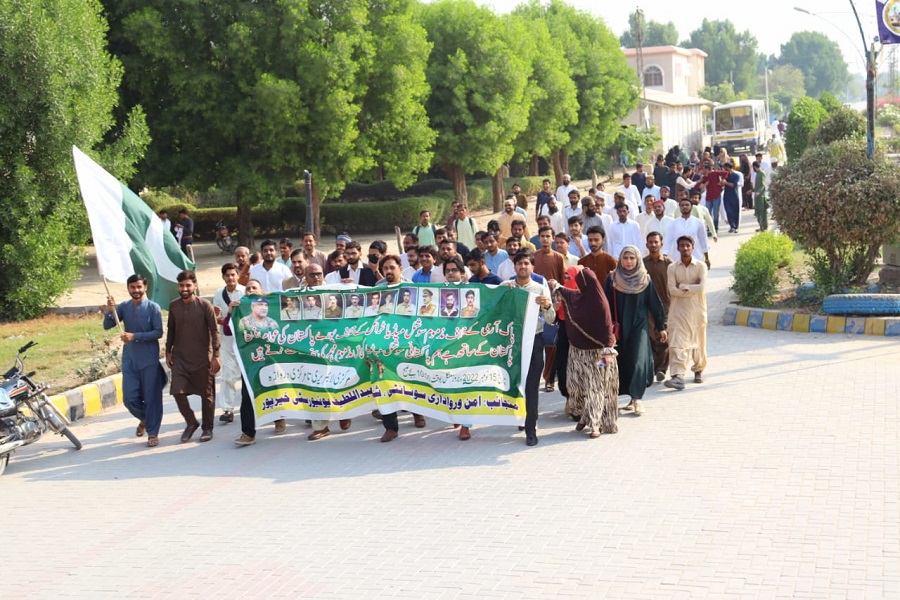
x=390 y=421
x=561 y=362
x=533 y=383
x=248 y=415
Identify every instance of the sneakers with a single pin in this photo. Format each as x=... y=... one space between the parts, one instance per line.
x=226 y=417
x=698 y=377
x=638 y=408
x=660 y=376
x=280 y=426
x=676 y=383
x=245 y=440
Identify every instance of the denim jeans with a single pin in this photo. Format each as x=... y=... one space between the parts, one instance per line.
x=714 y=206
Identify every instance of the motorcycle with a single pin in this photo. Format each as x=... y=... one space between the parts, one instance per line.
x=26 y=412
x=224 y=241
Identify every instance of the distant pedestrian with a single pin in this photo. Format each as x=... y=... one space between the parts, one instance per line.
x=760 y=197
x=192 y=352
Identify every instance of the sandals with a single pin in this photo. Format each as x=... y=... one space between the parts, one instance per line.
x=549 y=387
x=152 y=441
x=141 y=428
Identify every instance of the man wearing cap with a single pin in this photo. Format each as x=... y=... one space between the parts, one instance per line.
x=671 y=203
x=428 y=307
x=562 y=192
x=509 y=214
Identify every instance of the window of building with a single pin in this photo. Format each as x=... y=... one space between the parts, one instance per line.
x=653 y=76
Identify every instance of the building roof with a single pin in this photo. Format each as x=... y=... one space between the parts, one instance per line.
x=666 y=50
x=667 y=99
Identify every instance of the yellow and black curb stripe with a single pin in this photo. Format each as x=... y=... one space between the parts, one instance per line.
x=774 y=320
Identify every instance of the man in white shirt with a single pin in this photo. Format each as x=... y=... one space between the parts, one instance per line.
x=573 y=209
x=642 y=218
x=557 y=216
x=267 y=272
x=632 y=195
x=658 y=222
x=686 y=224
x=623 y=232
x=229 y=377
x=562 y=192
x=651 y=188
x=702 y=213
x=671 y=203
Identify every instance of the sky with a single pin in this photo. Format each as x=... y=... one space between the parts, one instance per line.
x=770 y=22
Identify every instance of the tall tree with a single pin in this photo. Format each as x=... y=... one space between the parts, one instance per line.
x=655 y=34
x=732 y=56
x=246 y=95
x=607 y=86
x=58 y=87
x=477 y=75
x=553 y=94
x=820 y=60
x=785 y=87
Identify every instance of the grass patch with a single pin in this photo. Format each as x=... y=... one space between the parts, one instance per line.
x=64 y=347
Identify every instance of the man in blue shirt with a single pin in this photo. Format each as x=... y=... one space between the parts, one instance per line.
x=143 y=378
x=494 y=256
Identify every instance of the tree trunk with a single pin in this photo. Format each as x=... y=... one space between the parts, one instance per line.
x=558 y=170
x=497 y=189
x=564 y=160
x=458 y=177
x=533 y=166
x=244 y=221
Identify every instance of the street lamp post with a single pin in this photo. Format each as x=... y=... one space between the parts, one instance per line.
x=310 y=226
x=767 y=92
x=871 y=58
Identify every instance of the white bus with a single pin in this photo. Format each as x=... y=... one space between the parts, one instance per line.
x=741 y=126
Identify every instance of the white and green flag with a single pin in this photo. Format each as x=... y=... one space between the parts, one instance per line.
x=128 y=236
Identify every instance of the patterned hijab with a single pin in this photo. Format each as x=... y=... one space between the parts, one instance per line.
x=634 y=281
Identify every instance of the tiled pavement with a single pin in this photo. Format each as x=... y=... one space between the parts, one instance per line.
x=778 y=477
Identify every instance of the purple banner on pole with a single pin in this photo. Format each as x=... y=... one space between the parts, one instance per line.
x=888 y=14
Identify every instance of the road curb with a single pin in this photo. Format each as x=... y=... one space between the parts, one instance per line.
x=774 y=320
x=90 y=399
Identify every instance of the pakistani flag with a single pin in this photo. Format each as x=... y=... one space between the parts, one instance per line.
x=128 y=236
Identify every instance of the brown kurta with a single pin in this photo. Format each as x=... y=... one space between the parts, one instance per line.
x=550 y=265
x=657 y=270
x=601 y=264
x=192 y=340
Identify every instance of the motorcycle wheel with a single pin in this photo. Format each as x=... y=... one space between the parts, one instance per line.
x=71 y=437
x=58 y=423
x=4 y=460
x=223 y=244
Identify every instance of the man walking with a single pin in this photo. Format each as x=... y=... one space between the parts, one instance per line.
x=143 y=378
x=224 y=302
x=657 y=265
x=192 y=352
x=760 y=197
x=686 y=280
x=524 y=264
x=269 y=273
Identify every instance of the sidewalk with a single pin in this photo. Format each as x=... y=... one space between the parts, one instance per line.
x=777 y=478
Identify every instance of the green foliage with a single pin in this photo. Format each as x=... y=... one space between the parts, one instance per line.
x=805 y=116
x=840 y=206
x=57 y=89
x=756 y=267
x=655 y=34
x=104 y=358
x=841 y=123
x=829 y=102
x=732 y=55
x=785 y=86
x=478 y=105
x=722 y=93
x=637 y=141
x=888 y=115
x=820 y=60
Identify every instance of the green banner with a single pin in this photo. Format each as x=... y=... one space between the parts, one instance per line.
x=455 y=352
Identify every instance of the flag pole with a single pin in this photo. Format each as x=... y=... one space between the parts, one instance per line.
x=115 y=314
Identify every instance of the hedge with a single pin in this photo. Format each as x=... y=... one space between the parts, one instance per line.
x=288 y=216
x=756 y=267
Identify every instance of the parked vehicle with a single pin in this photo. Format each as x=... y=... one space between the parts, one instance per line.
x=741 y=126
x=224 y=239
x=26 y=412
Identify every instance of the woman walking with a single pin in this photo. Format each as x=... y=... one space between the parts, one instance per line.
x=747 y=187
x=632 y=298
x=593 y=375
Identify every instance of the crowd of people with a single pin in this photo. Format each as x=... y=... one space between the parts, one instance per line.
x=619 y=278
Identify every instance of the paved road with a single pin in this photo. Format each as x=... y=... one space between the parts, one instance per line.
x=779 y=477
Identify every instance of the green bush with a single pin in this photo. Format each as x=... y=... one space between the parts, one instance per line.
x=756 y=267
x=842 y=123
x=889 y=115
x=805 y=116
